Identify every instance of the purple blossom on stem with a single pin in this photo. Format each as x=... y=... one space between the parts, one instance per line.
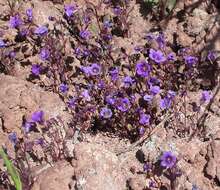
x=154 y=90
x=95 y=69
x=149 y=37
x=147 y=167
x=38 y=116
x=85 y=34
x=36 y=69
x=41 y=30
x=148 y=98
x=71 y=102
x=117 y=10
x=165 y=103
x=123 y=104
x=110 y=100
x=211 y=56
x=29 y=14
x=12 y=54
x=70 y=10
x=114 y=73
x=2 y=44
x=206 y=96
x=63 y=88
x=86 y=96
x=13 y=137
x=44 y=54
x=106 y=113
x=144 y=119
x=171 y=94
x=15 y=21
x=168 y=159
x=128 y=81
x=161 y=40
x=171 y=57
x=143 y=68
x=107 y=24
x=27 y=126
x=157 y=56
x=190 y=60
x=141 y=131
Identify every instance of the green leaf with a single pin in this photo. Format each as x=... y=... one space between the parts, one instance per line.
x=11 y=170
x=94 y=29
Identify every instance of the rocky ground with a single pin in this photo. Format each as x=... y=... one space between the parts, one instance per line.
x=99 y=160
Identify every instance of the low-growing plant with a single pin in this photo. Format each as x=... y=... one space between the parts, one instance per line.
x=12 y=171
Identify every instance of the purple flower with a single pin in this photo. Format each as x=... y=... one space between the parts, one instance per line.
x=85 y=52
x=15 y=21
x=106 y=113
x=138 y=49
x=39 y=141
x=143 y=68
x=152 y=184
x=36 y=69
x=23 y=32
x=63 y=88
x=190 y=60
x=141 y=130
x=38 y=116
x=211 y=56
x=44 y=54
x=194 y=187
x=154 y=90
x=123 y=104
x=128 y=81
x=165 y=103
x=168 y=159
x=95 y=69
x=144 y=119
x=149 y=37
x=114 y=73
x=147 y=167
x=206 y=96
x=110 y=100
x=70 y=10
x=86 y=96
x=117 y=10
x=71 y=103
x=171 y=94
x=85 y=34
x=13 y=137
x=157 y=56
x=29 y=14
x=27 y=126
x=2 y=44
x=41 y=30
x=12 y=54
x=171 y=57
x=86 y=70
x=148 y=98
x=107 y=24
x=101 y=84
x=161 y=40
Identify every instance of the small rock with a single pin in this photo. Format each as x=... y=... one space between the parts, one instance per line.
x=137 y=183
